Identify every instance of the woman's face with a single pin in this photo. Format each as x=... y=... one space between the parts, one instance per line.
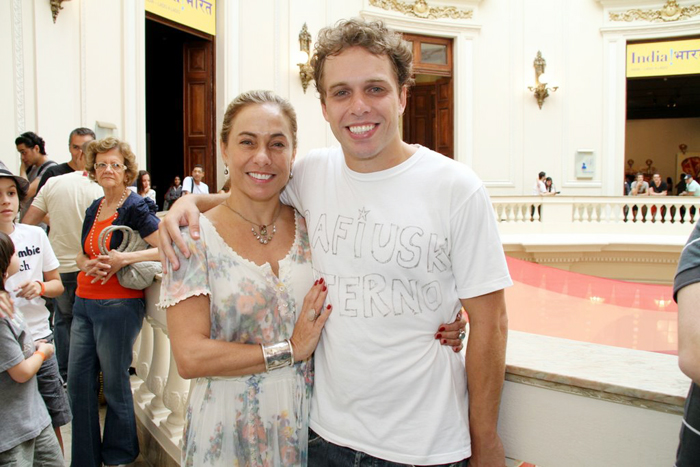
x=146 y=180
x=9 y=200
x=176 y=181
x=109 y=177
x=548 y=182
x=259 y=152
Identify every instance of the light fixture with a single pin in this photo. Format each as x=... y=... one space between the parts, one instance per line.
x=543 y=83
x=306 y=72
x=56 y=7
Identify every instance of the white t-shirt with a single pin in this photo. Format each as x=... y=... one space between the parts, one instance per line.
x=35 y=257
x=398 y=249
x=190 y=186
x=151 y=193
x=65 y=199
x=539 y=188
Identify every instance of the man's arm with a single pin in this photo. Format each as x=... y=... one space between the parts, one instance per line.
x=33 y=187
x=185 y=212
x=34 y=216
x=486 y=366
x=689 y=331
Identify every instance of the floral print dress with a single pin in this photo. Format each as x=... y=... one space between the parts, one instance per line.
x=254 y=420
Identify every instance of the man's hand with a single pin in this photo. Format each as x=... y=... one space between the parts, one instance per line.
x=185 y=212
x=487 y=453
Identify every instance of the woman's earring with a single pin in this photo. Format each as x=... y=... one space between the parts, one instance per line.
x=226 y=170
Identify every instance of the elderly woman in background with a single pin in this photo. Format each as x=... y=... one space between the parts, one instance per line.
x=107 y=317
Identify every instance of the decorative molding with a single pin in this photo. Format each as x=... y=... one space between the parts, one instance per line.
x=18 y=56
x=421 y=9
x=671 y=11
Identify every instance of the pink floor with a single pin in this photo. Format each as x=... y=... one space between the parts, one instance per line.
x=558 y=303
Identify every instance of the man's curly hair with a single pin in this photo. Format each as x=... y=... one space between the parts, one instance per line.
x=373 y=36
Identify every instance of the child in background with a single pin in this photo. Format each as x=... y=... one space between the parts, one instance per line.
x=26 y=437
x=38 y=278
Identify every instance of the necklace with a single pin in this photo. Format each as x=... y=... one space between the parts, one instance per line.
x=97 y=216
x=264 y=236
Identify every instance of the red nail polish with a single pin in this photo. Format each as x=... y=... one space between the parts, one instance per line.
x=444 y=341
x=441 y=329
x=324 y=288
x=329 y=307
x=438 y=336
x=316 y=283
x=320 y=281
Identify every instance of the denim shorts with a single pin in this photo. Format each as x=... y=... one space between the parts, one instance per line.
x=323 y=453
x=54 y=394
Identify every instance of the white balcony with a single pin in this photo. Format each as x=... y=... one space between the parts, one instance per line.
x=619 y=237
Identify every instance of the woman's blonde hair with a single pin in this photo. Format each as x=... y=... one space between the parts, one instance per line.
x=101 y=146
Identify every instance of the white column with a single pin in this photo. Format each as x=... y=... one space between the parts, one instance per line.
x=158 y=374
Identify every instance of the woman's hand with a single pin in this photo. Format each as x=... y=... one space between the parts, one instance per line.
x=93 y=268
x=310 y=322
x=116 y=260
x=453 y=334
x=28 y=290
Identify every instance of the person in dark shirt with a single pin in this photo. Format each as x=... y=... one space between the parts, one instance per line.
x=76 y=140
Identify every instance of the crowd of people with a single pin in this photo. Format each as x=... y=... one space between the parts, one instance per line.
x=637 y=186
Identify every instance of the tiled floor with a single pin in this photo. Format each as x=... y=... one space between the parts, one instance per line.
x=67 y=439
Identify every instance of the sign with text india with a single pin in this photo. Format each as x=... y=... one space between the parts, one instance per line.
x=197 y=14
x=667 y=58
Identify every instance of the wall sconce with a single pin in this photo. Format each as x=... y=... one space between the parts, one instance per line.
x=541 y=89
x=306 y=72
x=55 y=7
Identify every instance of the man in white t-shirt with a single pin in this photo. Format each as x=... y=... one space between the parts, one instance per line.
x=64 y=199
x=194 y=184
x=404 y=237
x=540 y=188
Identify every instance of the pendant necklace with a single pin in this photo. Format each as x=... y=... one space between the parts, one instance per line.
x=265 y=235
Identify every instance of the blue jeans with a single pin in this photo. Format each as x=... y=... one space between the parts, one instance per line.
x=62 y=319
x=323 y=453
x=102 y=337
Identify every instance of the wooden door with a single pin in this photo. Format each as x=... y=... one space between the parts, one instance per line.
x=419 y=125
x=199 y=120
x=444 y=141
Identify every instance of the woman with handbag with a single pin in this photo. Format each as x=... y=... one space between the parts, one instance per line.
x=107 y=316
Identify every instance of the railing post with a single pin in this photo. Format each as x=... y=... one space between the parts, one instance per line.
x=175 y=399
x=158 y=374
x=143 y=395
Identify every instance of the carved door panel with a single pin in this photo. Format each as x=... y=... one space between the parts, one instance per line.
x=199 y=120
x=444 y=140
x=419 y=121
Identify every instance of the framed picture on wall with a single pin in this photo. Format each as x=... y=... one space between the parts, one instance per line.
x=585 y=163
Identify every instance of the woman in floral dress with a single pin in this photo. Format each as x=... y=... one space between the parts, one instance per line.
x=244 y=313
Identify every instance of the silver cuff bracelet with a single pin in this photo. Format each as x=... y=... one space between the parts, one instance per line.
x=278 y=355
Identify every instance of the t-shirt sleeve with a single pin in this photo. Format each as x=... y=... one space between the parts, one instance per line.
x=145 y=221
x=40 y=200
x=478 y=261
x=10 y=350
x=291 y=195
x=191 y=279
x=48 y=255
x=688 y=271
